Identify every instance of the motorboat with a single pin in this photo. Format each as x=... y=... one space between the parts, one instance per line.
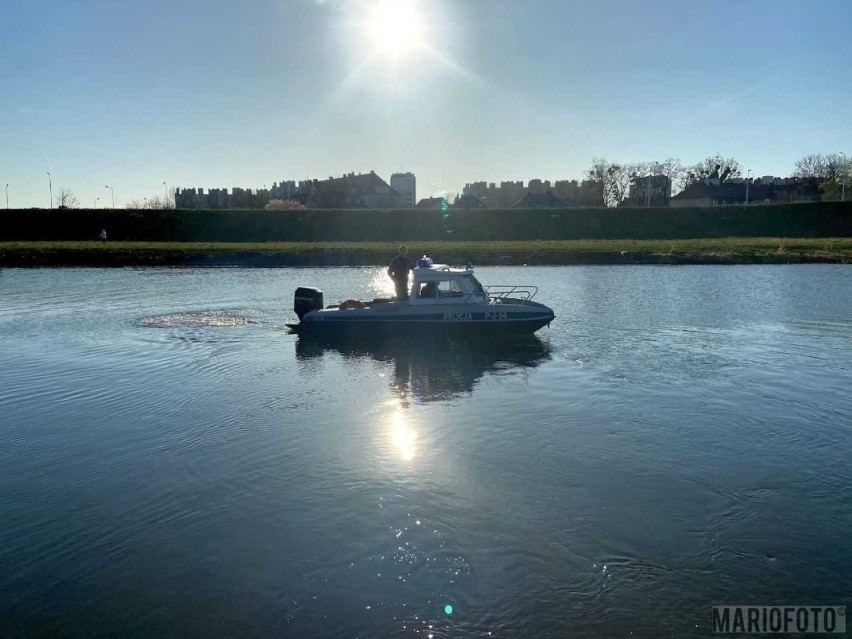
x=441 y=299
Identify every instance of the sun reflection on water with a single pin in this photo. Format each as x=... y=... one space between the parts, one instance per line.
x=381 y=285
x=403 y=437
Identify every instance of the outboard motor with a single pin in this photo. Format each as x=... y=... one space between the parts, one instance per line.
x=307 y=299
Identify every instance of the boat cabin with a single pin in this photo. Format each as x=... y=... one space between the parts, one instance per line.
x=440 y=284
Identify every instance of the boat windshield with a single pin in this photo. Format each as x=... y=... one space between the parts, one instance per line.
x=477 y=287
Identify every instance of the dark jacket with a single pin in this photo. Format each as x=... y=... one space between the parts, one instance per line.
x=399 y=267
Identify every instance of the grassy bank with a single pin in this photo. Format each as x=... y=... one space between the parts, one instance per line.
x=733 y=250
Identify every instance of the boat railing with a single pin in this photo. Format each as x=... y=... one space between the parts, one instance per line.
x=521 y=291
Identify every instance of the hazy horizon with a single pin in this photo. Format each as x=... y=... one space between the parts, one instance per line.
x=213 y=94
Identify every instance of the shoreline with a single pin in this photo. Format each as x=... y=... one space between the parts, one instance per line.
x=533 y=253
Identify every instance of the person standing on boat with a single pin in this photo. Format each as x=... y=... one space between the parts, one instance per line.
x=398 y=271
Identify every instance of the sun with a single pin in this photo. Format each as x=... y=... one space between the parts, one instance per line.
x=395 y=28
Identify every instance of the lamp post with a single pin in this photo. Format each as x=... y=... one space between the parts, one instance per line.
x=166 y=202
x=7 y=197
x=843 y=184
x=50 y=183
x=648 y=190
x=651 y=172
x=97 y=199
x=113 y=195
x=656 y=169
x=748 y=173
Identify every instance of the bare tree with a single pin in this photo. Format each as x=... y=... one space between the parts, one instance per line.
x=836 y=166
x=715 y=166
x=821 y=167
x=613 y=178
x=155 y=202
x=597 y=175
x=160 y=202
x=67 y=200
x=673 y=169
x=810 y=166
x=619 y=183
x=838 y=171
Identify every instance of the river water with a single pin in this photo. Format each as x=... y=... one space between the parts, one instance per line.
x=175 y=463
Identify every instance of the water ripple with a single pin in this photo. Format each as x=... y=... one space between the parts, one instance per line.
x=678 y=435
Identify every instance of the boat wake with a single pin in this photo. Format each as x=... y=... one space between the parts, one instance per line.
x=219 y=318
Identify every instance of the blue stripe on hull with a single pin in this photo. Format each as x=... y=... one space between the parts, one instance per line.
x=419 y=324
x=461 y=318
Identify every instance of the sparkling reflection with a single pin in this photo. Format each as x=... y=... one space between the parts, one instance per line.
x=381 y=285
x=403 y=437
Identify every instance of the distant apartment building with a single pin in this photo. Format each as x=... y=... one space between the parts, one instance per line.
x=574 y=193
x=351 y=191
x=238 y=198
x=538 y=186
x=567 y=190
x=493 y=196
x=562 y=193
x=546 y=200
x=283 y=190
x=477 y=189
x=510 y=193
x=765 y=190
x=406 y=185
x=468 y=202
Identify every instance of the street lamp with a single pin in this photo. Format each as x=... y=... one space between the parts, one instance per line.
x=7 y=197
x=845 y=169
x=166 y=203
x=113 y=195
x=651 y=172
x=50 y=183
x=648 y=189
x=748 y=174
x=97 y=199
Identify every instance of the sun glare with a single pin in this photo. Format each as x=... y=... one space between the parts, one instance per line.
x=404 y=437
x=395 y=27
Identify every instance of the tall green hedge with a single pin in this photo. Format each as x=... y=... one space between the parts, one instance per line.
x=818 y=219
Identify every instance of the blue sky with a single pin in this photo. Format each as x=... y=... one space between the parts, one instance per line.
x=215 y=94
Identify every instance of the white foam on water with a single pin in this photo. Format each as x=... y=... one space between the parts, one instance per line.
x=218 y=319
